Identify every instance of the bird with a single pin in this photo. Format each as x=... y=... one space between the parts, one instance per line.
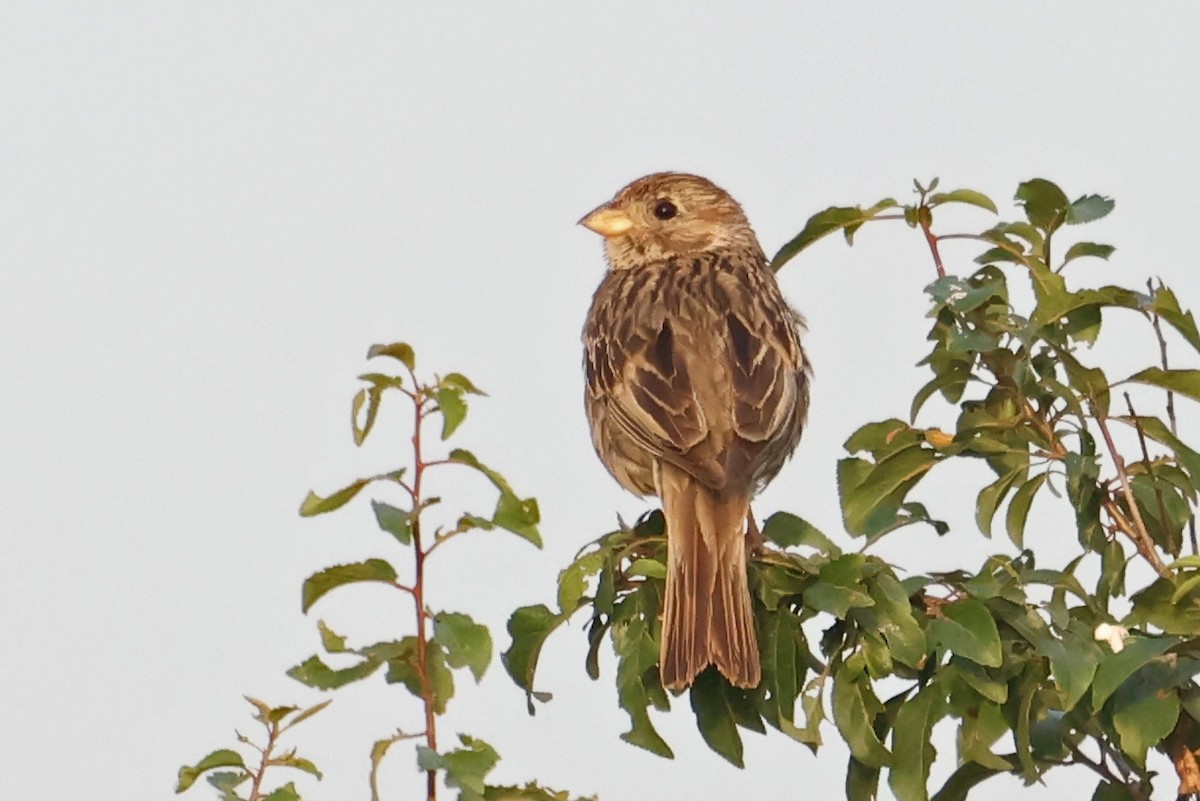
x=697 y=391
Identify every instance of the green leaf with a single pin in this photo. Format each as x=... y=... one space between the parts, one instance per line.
x=788 y=530
x=467 y=643
x=823 y=223
x=529 y=627
x=650 y=568
x=1145 y=711
x=1089 y=208
x=316 y=585
x=871 y=494
x=1046 y=206
x=912 y=751
x=400 y=351
x=299 y=763
x=963 y=780
x=572 y=581
x=1081 y=249
x=223 y=758
x=835 y=599
x=466 y=767
x=308 y=713
x=314 y=504
x=714 y=717
x=968 y=196
x=285 y=793
x=315 y=673
x=968 y=629
x=1018 y=509
x=1073 y=663
x=518 y=515
x=454 y=410
x=462 y=383
x=362 y=430
x=1116 y=668
x=402 y=669
x=991 y=496
x=1185 y=382
x=1166 y=306
x=854 y=709
x=397 y=522
x=897 y=624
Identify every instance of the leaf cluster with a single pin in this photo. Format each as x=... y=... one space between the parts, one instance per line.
x=1032 y=669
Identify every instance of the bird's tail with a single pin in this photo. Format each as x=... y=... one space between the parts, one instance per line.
x=707 y=614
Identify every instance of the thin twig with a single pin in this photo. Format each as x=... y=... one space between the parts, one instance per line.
x=1137 y=424
x=1156 y=322
x=1139 y=533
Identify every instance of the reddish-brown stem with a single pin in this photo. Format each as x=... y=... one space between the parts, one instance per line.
x=932 y=240
x=418 y=594
x=256 y=786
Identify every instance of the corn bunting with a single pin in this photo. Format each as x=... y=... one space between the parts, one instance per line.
x=697 y=389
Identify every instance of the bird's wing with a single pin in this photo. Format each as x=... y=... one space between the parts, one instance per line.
x=768 y=373
x=638 y=364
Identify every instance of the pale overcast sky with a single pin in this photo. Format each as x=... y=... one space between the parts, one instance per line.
x=208 y=212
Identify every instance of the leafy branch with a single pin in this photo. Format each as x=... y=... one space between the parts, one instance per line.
x=1012 y=648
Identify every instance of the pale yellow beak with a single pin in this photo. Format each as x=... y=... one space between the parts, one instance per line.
x=607 y=221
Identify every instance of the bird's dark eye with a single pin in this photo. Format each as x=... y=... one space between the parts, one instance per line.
x=665 y=210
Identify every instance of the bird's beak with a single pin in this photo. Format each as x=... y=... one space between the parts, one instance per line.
x=607 y=221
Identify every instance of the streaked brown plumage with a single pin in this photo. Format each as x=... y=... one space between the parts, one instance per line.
x=697 y=388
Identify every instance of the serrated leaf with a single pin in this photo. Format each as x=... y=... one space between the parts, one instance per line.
x=968 y=196
x=318 y=584
x=1082 y=249
x=572 y=581
x=912 y=751
x=466 y=767
x=467 y=643
x=520 y=516
x=529 y=627
x=1166 y=306
x=968 y=629
x=400 y=351
x=823 y=223
x=285 y=793
x=1089 y=208
x=315 y=673
x=461 y=382
x=314 y=504
x=397 y=522
x=453 y=410
x=299 y=763
x=221 y=758
x=361 y=430
x=1184 y=382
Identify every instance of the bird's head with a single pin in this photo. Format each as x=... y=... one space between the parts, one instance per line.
x=669 y=215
